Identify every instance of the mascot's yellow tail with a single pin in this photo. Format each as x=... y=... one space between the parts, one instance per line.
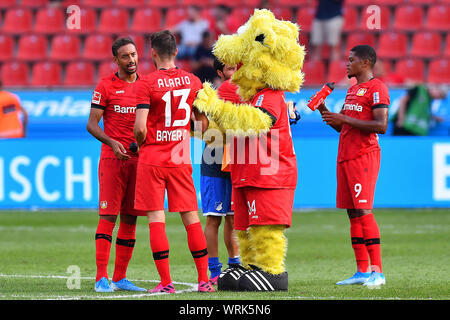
x=243 y=119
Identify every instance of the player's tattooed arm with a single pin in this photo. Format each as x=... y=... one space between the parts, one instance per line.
x=93 y=128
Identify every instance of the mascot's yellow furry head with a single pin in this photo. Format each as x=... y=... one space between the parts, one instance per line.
x=268 y=53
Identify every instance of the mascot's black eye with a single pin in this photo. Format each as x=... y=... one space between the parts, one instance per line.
x=260 y=38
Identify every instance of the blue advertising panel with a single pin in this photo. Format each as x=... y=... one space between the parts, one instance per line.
x=64 y=113
x=56 y=173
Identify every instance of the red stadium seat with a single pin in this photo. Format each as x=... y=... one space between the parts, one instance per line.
x=33 y=3
x=425 y=2
x=98 y=3
x=368 y=19
x=174 y=16
x=146 y=20
x=131 y=3
x=145 y=67
x=4 y=4
x=282 y=13
x=163 y=3
x=358 y=38
x=237 y=18
x=408 y=17
x=228 y=3
x=186 y=3
x=392 y=45
x=32 y=48
x=139 y=40
x=88 y=22
x=184 y=64
x=411 y=69
x=106 y=68
x=438 y=18
x=439 y=71
x=97 y=47
x=303 y=39
x=305 y=17
x=314 y=71
x=351 y=22
x=14 y=74
x=447 y=46
x=294 y=3
x=17 y=21
x=387 y=2
x=358 y=2
x=79 y=74
x=65 y=47
x=6 y=47
x=113 y=21
x=337 y=71
x=426 y=44
x=387 y=65
x=46 y=74
x=49 y=21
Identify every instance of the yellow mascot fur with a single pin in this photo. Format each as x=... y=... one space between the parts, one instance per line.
x=269 y=57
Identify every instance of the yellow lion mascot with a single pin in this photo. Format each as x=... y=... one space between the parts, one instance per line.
x=263 y=163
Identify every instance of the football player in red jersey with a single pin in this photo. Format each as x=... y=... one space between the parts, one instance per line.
x=162 y=130
x=114 y=99
x=363 y=116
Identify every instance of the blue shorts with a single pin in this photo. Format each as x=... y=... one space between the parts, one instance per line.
x=216 y=196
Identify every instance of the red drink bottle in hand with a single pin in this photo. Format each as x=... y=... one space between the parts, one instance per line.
x=319 y=97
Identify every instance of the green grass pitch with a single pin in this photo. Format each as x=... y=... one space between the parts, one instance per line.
x=39 y=248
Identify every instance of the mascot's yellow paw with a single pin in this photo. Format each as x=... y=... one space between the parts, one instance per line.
x=240 y=120
x=206 y=99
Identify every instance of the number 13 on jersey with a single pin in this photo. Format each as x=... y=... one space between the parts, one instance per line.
x=167 y=98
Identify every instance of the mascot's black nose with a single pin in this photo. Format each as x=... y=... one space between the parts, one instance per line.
x=260 y=38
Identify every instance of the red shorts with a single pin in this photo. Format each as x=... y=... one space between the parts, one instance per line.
x=356 y=180
x=152 y=182
x=260 y=206
x=117 y=181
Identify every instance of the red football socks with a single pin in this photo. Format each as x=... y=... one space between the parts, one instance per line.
x=160 y=249
x=126 y=239
x=197 y=244
x=372 y=241
x=358 y=245
x=103 y=238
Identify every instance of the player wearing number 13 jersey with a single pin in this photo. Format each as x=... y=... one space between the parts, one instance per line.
x=363 y=116
x=162 y=130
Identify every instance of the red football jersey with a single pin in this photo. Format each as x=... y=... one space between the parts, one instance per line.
x=118 y=100
x=266 y=161
x=169 y=95
x=359 y=102
x=228 y=91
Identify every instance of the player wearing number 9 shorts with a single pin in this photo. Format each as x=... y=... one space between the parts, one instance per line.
x=162 y=130
x=363 y=116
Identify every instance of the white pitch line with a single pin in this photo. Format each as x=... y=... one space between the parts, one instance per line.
x=193 y=288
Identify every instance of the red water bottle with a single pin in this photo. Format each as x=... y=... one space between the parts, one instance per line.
x=319 y=97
